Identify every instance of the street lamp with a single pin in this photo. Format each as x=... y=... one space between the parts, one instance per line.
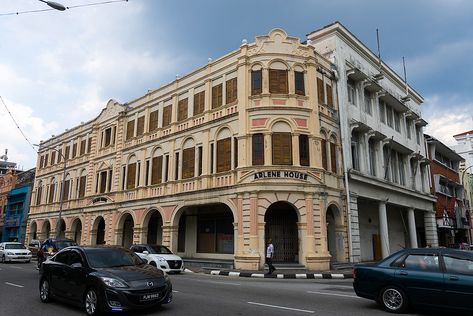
x=61 y=196
x=54 y=5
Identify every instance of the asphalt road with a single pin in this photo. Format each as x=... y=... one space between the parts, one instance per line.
x=202 y=294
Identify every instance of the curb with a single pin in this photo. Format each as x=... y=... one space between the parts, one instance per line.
x=283 y=275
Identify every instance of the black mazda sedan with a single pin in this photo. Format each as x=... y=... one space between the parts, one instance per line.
x=103 y=279
x=432 y=278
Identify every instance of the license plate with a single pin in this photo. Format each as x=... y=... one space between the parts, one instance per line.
x=149 y=297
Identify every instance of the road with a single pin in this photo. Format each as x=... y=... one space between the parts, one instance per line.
x=202 y=294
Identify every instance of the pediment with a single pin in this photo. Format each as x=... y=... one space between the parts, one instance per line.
x=277 y=41
x=111 y=110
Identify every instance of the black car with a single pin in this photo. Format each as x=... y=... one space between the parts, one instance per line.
x=433 y=278
x=103 y=279
x=50 y=247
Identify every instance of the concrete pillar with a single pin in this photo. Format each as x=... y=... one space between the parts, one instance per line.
x=412 y=227
x=383 y=229
x=430 y=225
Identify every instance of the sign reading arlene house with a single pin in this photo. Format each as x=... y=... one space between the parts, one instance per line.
x=281 y=174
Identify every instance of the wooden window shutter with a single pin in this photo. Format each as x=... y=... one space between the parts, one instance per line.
x=278 y=81
x=231 y=90
x=131 y=176
x=74 y=150
x=182 y=110
x=52 y=188
x=68 y=149
x=199 y=171
x=256 y=82
x=199 y=101
x=188 y=163
x=46 y=160
x=39 y=194
x=130 y=129
x=167 y=111
x=59 y=155
x=153 y=120
x=82 y=182
x=103 y=181
x=41 y=161
x=333 y=157
x=304 y=150
x=299 y=82
x=320 y=91
x=258 y=149
x=323 y=145
x=216 y=96
x=235 y=152
x=53 y=157
x=282 y=148
x=89 y=145
x=140 y=126
x=329 y=95
x=224 y=154
x=157 y=170
x=67 y=185
x=83 y=144
x=108 y=137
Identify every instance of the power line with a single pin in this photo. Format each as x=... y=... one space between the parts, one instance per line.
x=71 y=7
x=14 y=121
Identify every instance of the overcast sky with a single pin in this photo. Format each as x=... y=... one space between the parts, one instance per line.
x=60 y=68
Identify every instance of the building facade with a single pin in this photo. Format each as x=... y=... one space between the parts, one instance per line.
x=243 y=149
x=7 y=183
x=453 y=214
x=17 y=208
x=385 y=165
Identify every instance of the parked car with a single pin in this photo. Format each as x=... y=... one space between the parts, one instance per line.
x=160 y=257
x=437 y=278
x=51 y=246
x=33 y=246
x=102 y=279
x=14 y=251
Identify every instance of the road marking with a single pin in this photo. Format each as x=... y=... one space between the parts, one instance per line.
x=20 y=268
x=225 y=283
x=333 y=294
x=282 y=307
x=12 y=284
x=174 y=291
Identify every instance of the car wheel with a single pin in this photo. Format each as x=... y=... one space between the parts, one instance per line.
x=393 y=299
x=153 y=264
x=44 y=291
x=92 y=302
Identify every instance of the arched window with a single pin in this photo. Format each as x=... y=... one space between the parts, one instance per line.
x=299 y=84
x=323 y=149
x=82 y=183
x=281 y=140
x=333 y=155
x=304 y=150
x=258 y=149
x=355 y=150
x=224 y=151
x=278 y=78
x=188 y=159
x=157 y=167
x=67 y=187
x=256 y=80
x=39 y=192
x=131 y=173
x=52 y=190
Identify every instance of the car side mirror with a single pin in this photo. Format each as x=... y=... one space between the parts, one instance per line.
x=76 y=265
x=146 y=252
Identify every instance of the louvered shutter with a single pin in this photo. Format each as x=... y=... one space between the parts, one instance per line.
x=323 y=145
x=83 y=144
x=82 y=182
x=39 y=194
x=224 y=152
x=103 y=181
x=329 y=95
x=256 y=82
x=153 y=120
x=131 y=176
x=299 y=82
x=67 y=185
x=278 y=81
x=333 y=157
x=68 y=149
x=216 y=96
x=182 y=110
x=320 y=91
x=167 y=115
x=258 y=149
x=74 y=150
x=231 y=90
x=188 y=163
x=157 y=170
x=304 y=150
x=140 y=127
x=199 y=99
x=130 y=129
x=53 y=158
x=282 y=148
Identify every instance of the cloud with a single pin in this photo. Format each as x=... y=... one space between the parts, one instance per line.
x=445 y=122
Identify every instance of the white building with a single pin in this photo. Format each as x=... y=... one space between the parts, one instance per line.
x=386 y=169
x=464 y=148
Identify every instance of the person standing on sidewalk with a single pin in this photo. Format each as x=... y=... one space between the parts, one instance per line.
x=269 y=256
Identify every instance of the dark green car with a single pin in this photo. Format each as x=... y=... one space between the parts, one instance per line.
x=421 y=277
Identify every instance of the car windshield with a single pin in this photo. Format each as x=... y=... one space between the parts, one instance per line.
x=160 y=250
x=111 y=257
x=14 y=246
x=61 y=244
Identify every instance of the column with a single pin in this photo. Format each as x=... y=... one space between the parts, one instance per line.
x=412 y=227
x=430 y=225
x=383 y=229
x=295 y=150
x=268 y=153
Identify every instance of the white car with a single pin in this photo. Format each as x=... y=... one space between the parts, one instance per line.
x=14 y=251
x=160 y=257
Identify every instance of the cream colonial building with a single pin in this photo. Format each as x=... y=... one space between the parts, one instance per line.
x=245 y=148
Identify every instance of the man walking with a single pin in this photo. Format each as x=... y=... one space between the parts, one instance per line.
x=269 y=256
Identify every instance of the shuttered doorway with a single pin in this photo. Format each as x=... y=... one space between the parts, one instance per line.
x=281 y=227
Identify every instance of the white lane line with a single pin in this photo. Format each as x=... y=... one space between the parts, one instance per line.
x=20 y=268
x=174 y=291
x=333 y=294
x=12 y=284
x=282 y=307
x=225 y=283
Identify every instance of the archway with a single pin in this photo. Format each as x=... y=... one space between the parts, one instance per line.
x=46 y=229
x=155 y=228
x=77 y=230
x=281 y=226
x=61 y=229
x=98 y=231
x=335 y=234
x=128 y=224
x=331 y=234
x=33 y=231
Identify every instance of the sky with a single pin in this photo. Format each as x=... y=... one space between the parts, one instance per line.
x=59 y=68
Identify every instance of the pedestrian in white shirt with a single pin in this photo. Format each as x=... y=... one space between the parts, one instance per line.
x=269 y=256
